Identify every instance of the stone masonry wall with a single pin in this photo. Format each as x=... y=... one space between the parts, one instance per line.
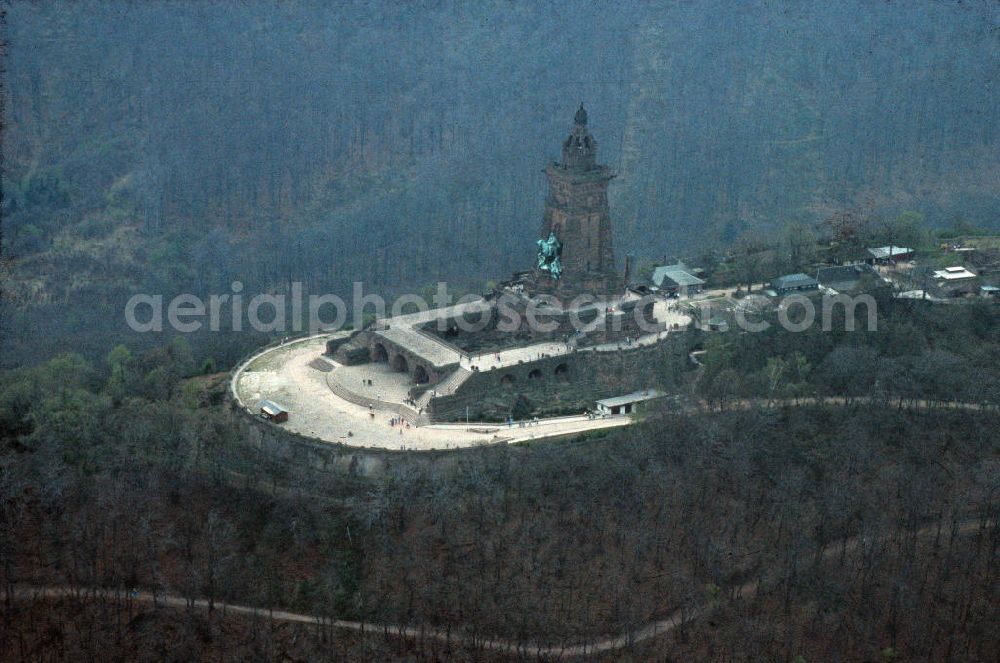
x=474 y=335
x=567 y=384
x=283 y=447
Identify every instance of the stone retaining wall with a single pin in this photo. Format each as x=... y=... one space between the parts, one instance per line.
x=341 y=390
x=278 y=443
x=496 y=333
x=353 y=351
x=567 y=383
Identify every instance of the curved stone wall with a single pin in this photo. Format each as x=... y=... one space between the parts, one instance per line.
x=278 y=443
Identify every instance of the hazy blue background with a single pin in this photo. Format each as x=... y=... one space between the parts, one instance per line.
x=177 y=146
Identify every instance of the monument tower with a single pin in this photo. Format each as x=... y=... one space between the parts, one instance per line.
x=576 y=253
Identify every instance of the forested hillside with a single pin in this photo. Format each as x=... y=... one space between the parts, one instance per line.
x=864 y=532
x=177 y=146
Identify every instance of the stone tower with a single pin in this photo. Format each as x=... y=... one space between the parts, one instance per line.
x=577 y=214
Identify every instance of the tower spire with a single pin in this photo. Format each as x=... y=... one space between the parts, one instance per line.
x=577 y=219
x=580 y=148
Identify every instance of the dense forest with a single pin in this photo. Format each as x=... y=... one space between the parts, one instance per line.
x=857 y=530
x=174 y=147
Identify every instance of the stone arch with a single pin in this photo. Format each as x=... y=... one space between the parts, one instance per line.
x=507 y=380
x=562 y=371
x=400 y=364
x=420 y=375
x=379 y=353
x=535 y=374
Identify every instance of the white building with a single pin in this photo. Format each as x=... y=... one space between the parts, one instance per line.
x=954 y=274
x=626 y=404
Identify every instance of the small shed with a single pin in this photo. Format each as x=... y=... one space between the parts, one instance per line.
x=784 y=285
x=990 y=291
x=889 y=254
x=957 y=273
x=677 y=278
x=626 y=404
x=273 y=412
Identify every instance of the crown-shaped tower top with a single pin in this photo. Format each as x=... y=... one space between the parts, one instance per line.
x=580 y=149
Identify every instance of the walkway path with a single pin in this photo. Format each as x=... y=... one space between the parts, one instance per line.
x=400 y=330
x=288 y=375
x=422 y=345
x=664 y=312
x=611 y=643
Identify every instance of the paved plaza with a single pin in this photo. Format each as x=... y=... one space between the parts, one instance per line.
x=386 y=384
x=286 y=375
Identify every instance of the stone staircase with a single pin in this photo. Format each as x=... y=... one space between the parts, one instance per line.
x=451 y=384
x=446 y=387
x=365 y=400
